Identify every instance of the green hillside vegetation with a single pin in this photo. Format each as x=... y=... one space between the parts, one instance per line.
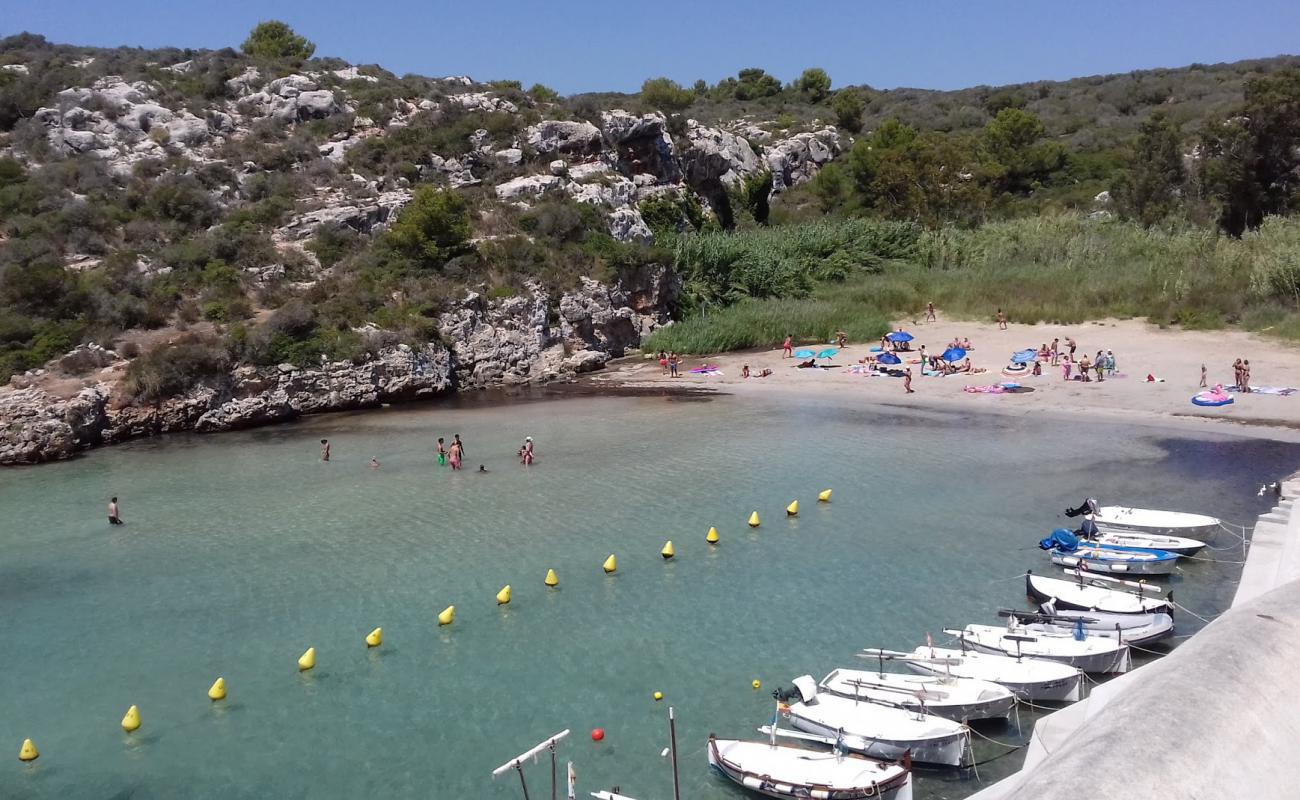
x=973 y=198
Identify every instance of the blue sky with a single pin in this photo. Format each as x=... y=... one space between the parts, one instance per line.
x=576 y=45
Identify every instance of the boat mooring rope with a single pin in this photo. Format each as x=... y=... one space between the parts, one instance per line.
x=1182 y=607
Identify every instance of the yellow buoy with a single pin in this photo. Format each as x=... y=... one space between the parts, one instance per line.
x=447 y=616
x=132 y=719
x=28 y=751
x=503 y=596
x=375 y=637
x=668 y=551
x=218 y=690
x=610 y=564
x=307 y=660
x=757 y=684
x=792 y=509
x=824 y=496
x=659 y=696
x=551 y=578
x=712 y=536
x=753 y=520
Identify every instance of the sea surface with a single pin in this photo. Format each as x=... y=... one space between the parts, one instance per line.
x=241 y=550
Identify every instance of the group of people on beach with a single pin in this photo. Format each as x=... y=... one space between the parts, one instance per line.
x=1240 y=374
x=669 y=364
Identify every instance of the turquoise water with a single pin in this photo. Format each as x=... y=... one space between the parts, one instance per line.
x=241 y=550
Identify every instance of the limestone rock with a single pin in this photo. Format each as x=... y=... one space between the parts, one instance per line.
x=481 y=101
x=529 y=186
x=711 y=156
x=627 y=225
x=641 y=144
x=562 y=136
x=797 y=159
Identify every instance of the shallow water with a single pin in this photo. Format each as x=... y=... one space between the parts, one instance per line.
x=241 y=550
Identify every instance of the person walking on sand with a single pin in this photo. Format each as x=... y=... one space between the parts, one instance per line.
x=1069 y=343
x=841 y=339
x=787 y=347
x=1056 y=352
x=1236 y=373
x=324 y=449
x=1002 y=320
x=907 y=381
x=113 y=516
x=1099 y=365
x=1110 y=363
x=929 y=313
x=442 y=452
x=1065 y=367
x=1203 y=384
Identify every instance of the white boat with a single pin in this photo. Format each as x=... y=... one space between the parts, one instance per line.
x=1097 y=593
x=1027 y=678
x=794 y=773
x=1069 y=550
x=1088 y=653
x=1150 y=520
x=958 y=699
x=1138 y=629
x=878 y=730
x=1178 y=545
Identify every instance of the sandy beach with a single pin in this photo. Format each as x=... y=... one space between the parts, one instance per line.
x=1173 y=355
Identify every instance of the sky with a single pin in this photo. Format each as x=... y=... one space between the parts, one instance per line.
x=579 y=46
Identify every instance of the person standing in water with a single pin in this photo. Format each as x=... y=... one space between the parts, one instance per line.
x=324 y=449
x=113 y=518
x=374 y=463
x=442 y=452
x=458 y=443
x=455 y=454
x=526 y=452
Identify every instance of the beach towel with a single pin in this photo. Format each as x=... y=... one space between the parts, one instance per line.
x=1281 y=391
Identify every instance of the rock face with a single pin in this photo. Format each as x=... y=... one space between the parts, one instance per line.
x=494 y=342
x=641 y=145
x=714 y=157
x=559 y=136
x=796 y=160
x=361 y=215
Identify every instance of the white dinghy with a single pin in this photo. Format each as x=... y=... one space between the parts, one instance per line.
x=1178 y=545
x=793 y=773
x=1087 y=592
x=1027 y=678
x=958 y=699
x=1138 y=629
x=878 y=730
x=1088 y=653
x=1150 y=520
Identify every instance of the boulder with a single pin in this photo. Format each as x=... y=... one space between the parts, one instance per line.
x=529 y=186
x=711 y=157
x=797 y=159
x=553 y=136
x=641 y=144
x=627 y=225
x=481 y=101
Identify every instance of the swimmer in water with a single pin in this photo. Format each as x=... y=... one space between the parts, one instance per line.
x=374 y=463
x=482 y=469
x=526 y=452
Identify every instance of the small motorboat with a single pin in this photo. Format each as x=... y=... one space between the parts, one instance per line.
x=1139 y=629
x=1179 y=545
x=782 y=771
x=1149 y=520
x=1086 y=592
x=1074 y=647
x=1069 y=550
x=958 y=699
x=1027 y=678
x=878 y=730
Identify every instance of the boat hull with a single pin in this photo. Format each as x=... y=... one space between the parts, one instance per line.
x=950 y=750
x=1178 y=545
x=1145 y=520
x=1138 y=629
x=935 y=697
x=1069 y=594
x=1109 y=566
x=897 y=786
x=1111 y=661
x=1056 y=690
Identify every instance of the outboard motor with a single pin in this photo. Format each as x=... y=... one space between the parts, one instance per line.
x=783 y=695
x=1089 y=506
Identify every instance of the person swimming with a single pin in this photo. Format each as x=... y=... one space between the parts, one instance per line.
x=324 y=449
x=482 y=468
x=374 y=463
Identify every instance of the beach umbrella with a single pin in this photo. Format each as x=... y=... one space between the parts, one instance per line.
x=889 y=358
x=827 y=353
x=899 y=336
x=803 y=354
x=1024 y=357
x=953 y=354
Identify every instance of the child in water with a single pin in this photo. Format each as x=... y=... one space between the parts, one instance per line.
x=442 y=452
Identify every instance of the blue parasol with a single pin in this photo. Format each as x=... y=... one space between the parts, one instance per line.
x=889 y=358
x=899 y=336
x=1024 y=357
x=827 y=353
x=953 y=354
x=803 y=354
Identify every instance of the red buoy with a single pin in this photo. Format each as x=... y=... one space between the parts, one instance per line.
x=597 y=734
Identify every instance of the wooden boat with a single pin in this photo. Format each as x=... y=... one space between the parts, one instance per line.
x=878 y=730
x=1027 y=678
x=958 y=699
x=1088 y=653
x=1150 y=520
x=794 y=773
x=1138 y=629
x=1098 y=593
x=1069 y=550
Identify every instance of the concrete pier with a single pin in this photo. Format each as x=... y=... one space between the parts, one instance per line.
x=1217 y=717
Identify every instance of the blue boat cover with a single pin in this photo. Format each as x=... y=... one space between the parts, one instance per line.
x=1061 y=539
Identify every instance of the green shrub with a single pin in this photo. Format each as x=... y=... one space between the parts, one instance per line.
x=432 y=229
x=275 y=39
x=173 y=369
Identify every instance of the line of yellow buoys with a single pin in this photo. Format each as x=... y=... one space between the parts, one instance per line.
x=131 y=722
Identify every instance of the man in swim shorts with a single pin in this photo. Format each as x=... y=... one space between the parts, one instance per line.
x=113 y=518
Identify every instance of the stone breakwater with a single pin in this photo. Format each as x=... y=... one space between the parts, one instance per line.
x=531 y=338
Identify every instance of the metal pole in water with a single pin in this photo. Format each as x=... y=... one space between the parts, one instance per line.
x=672 y=743
x=554 y=778
x=520 y=769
